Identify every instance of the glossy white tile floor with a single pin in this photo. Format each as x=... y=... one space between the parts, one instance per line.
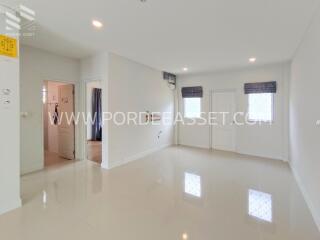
x=178 y=193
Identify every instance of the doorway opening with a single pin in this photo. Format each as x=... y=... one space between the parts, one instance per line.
x=59 y=127
x=94 y=126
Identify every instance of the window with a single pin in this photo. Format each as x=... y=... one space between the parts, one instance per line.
x=192 y=107
x=261 y=107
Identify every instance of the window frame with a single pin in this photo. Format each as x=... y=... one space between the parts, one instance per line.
x=184 y=108
x=272 y=110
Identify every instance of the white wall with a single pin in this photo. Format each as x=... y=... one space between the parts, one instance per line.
x=95 y=68
x=9 y=129
x=37 y=66
x=90 y=87
x=137 y=88
x=304 y=113
x=129 y=86
x=267 y=140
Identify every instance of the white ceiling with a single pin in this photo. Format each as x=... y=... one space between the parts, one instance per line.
x=203 y=35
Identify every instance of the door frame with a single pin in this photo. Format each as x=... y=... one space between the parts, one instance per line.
x=222 y=90
x=75 y=107
x=85 y=144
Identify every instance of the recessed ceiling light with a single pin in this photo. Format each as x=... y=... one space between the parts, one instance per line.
x=185 y=69
x=252 y=60
x=97 y=24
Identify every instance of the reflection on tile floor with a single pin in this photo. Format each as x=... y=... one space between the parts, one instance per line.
x=148 y=199
x=192 y=184
x=260 y=205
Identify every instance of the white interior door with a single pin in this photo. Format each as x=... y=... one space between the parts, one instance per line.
x=65 y=128
x=223 y=129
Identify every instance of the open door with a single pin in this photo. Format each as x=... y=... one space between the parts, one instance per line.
x=66 y=130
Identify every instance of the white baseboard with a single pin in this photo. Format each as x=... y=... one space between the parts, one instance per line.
x=193 y=146
x=104 y=165
x=239 y=152
x=306 y=196
x=9 y=205
x=262 y=156
x=136 y=156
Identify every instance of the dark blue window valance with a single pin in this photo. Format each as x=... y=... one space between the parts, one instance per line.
x=192 y=92
x=262 y=87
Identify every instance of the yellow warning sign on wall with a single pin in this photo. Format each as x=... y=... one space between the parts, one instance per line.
x=8 y=46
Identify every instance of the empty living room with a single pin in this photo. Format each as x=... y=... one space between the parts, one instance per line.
x=163 y=120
